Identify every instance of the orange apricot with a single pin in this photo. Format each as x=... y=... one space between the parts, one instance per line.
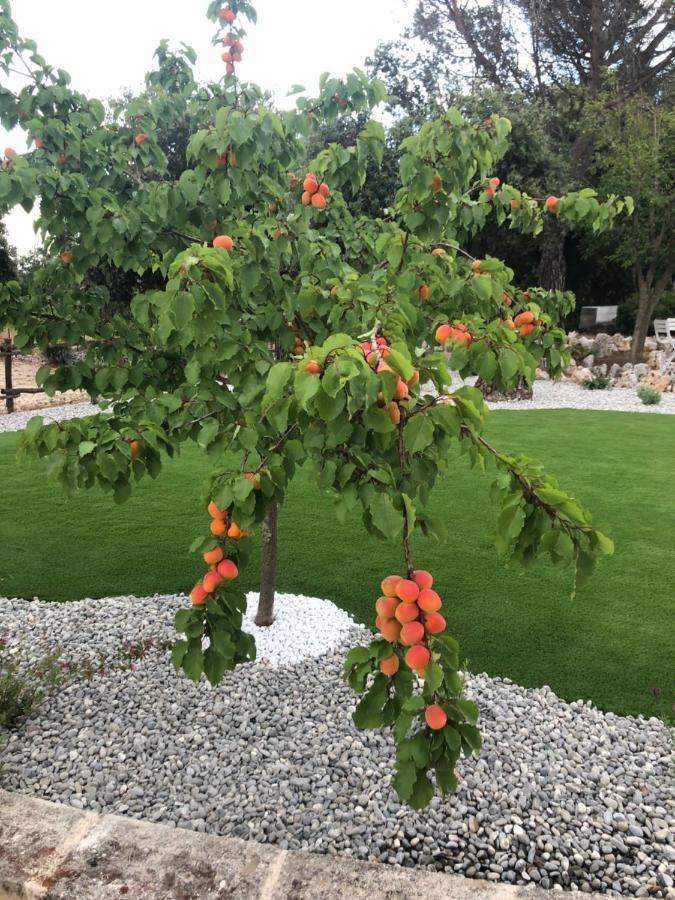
x=551 y=204
x=437 y=184
x=423 y=292
x=515 y=204
x=435 y=717
x=198 y=595
x=407 y=590
x=228 y=569
x=388 y=585
x=444 y=333
x=140 y=138
x=418 y=657
x=218 y=527
x=211 y=581
x=494 y=183
x=214 y=512
x=525 y=330
x=313 y=367
x=414 y=379
x=253 y=478
x=213 y=557
x=429 y=601
x=439 y=251
x=394 y=412
x=310 y=184
x=234 y=532
x=135 y=448
x=318 y=201
x=67 y=257
x=434 y=623
x=390 y=630
x=524 y=318
x=475 y=265
x=323 y=189
x=411 y=633
x=407 y=612
x=389 y=665
x=401 y=390
x=306 y=198
x=423 y=579
x=224 y=241
x=386 y=607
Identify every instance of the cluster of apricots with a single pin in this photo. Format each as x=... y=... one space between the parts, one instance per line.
x=491 y=186
x=375 y=353
x=408 y=614
x=298 y=348
x=525 y=322
x=221 y=521
x=233 y=54
x=220 y=569
x=314 y=192
x=458 y=334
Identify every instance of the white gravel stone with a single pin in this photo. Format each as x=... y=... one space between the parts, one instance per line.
x=18 y=420
x=271 y=754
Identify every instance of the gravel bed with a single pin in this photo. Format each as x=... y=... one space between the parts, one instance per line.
x=17 y=420
x=562 y=794
x=566 y=395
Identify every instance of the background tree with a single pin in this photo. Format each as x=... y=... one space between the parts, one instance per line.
x=7 y=256
x=288 y=331
x=634 y=144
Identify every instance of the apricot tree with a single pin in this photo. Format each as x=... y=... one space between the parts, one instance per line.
x=286 y=332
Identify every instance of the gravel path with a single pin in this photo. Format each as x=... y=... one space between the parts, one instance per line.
x=17 y=420
x=562 y=794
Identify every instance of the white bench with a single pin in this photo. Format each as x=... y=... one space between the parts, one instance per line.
x=664 y=331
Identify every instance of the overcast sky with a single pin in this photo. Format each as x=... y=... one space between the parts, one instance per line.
x=109 y=46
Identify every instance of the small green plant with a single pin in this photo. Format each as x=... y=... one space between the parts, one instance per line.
x=649 y=396
x=597 y=382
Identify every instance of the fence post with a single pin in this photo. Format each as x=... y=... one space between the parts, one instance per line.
x=7 y=349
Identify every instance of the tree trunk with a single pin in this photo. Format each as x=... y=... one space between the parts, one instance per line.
x=268 y=567
x=642 y=320
x=489 y=389
x=552 y=264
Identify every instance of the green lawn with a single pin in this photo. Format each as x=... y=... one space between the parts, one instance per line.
x=612 y=644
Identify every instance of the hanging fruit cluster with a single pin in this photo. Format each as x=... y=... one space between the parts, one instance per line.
x=411 y=682
x=376 y=350
x=459 y=334
x=314 y=192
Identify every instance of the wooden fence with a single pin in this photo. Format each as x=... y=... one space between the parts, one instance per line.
x=9 y=392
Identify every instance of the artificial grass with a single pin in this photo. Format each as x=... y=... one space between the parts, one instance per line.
x=612 y=644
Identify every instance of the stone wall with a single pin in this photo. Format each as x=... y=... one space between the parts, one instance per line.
x=607 y=355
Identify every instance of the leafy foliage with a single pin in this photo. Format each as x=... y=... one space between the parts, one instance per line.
x=309 y=340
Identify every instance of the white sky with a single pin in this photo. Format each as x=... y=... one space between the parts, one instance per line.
x=109 y=46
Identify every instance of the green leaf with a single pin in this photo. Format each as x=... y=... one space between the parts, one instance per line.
x=404 y=780
x=214 y=665
x=178 y=652
x=369 y=712
x=193 y=661
x=418 y=433
x=422 y=792
x=182 y=618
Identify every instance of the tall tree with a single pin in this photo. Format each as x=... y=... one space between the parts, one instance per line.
x=634 y=145
x=7 y=256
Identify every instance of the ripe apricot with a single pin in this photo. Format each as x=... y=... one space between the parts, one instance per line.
x=214 y=512
x=198 y=595
x=386 y=607
x=218 y=527
x=310 y=184
x=411 y=633
x=227 y=14
x=444 y=333
x=135 y=448
x=475 y=265
x=306 y=198
x=39 y=143
x=435 y=717
x=389 y=665
x=488 y=191
x=418 y=657
x=407 y=612
x=323 y=189
x=434 y=623
x=67 y=257
x=229 y=68
x=236 y=57
x=524 y=318
x=423 y=292
x=234 y=532
x=10 y=152
x=401 y=390
x=388 y=585
x=253 y=478
x=224 y=241
x=423 y=579
x=515 y=204
x=525 y=330
x=318 y=201
x=394 y=412
x=61 y=161
x=551 y=204
x=414 y=379
x=437 y=184
x=226 y=56
x=227 y=570
x=429 y=601
x=141 y=138
x=313 y=367
x=211 y=581
x=439 y=251
x=213 y=557
x=494 y=183
x=390 y=629
x=407 y=590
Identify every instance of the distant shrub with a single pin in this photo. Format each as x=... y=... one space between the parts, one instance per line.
x=648 y=395
x=596 y=382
